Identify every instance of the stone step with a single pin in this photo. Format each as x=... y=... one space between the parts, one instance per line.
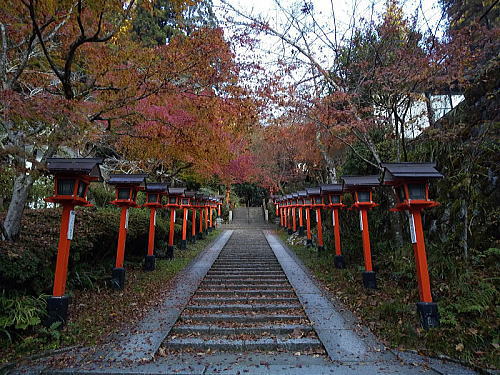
x=213 y=329
x=207 y=300
x=265 y=344
x=246 y=269
x=249 y=292
x=242 y=318
x=249 y=281
x=246 y=286
x=243 y=307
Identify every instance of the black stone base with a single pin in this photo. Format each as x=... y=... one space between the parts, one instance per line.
x=149 y=263
x=199 y=236
x=118 y=278
x=309 y=243
x=321 y=250
x=290 y=231
x=429 y=314
x=339 y=261
x=57 y=311
x=301 y=231
x=170 y=252
x=183 y=244
x=192 y=239
x=369 y=280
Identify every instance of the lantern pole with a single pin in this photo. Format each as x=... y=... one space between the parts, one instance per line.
x=206 y=220
x=308 y=225
x=369 y=277
x=62 y=253
x=184 y=228
x=200 y=233
x=301 y=221
x=294 y=218
x=321 y=247
x=290 y=228
x=170 y=246
x=193 y=225
x=118 y=274
x=149 y=261
x=338 y=260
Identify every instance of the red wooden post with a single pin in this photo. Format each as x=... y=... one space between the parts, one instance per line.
x=122 y=236
x=151 y=237
x=201 y=224
x=338 y=260
x=171 y=231
x=193 y=224
x=366 y=240
x=294 y=228
x=62 y=253
x=184 y=227
x=320 y=230
x=421 y=258
x=308 y=226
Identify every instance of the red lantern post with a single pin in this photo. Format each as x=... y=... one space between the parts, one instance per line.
x=295 y=197
x=410 y=182
x=72 y=179
x=307 y=206
x=174 y=202
x=317 y=204
x=302 y=195
x=361 y=187
x=194 y=205
x=127 y=186
x=185 y=204
x=332 y=195
x=154 y=192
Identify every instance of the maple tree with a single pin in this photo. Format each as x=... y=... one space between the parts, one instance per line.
x=75 y=74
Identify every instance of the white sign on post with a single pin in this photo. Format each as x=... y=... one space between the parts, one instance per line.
x=174 y=215
x=360 y=221
x=154 y=219
x=71 y=225
x=333 y=217
x=317 y=216
x=126 y=218
x=413 y=235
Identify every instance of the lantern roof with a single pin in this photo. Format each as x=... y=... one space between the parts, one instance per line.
x=85 y=166
x=200 y=196
x=352 y=183
x=289 y=196
x=274 y=196
x=408 y=171
x=331 y=188
x=127 y=179
x=295 y=195
x=189 y=194
x=176 y=191
x=313 y=191
x=156 y=187
x=302 y=193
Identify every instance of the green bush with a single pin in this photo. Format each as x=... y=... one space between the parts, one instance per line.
x=20 y=313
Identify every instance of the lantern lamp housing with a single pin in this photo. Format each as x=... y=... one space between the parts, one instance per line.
x=127 y=186
x=154 y=194
x=361 y=187
x=332 y=194
x=72 y=179
x=314 y=197
x=175 y=196
x=410 y=182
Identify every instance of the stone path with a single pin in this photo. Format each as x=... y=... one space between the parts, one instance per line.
x=246 y=305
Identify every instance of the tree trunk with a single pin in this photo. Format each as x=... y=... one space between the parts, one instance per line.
x=330 y=163
x=12 y=223
x=396 y=223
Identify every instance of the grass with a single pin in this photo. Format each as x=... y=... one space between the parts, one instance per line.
x=96 y=314
x=468 y=332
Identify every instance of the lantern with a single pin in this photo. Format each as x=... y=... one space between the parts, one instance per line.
x=302 y=195
x=332 y=195
x=361 y=187
x=71 y=181
x=154 y=194
x=127 y=186
x=410 y=182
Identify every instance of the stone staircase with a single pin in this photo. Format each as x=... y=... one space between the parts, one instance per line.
x=244 y=304
x=248 y=217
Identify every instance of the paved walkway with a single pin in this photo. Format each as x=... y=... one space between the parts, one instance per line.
x=246 y=305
